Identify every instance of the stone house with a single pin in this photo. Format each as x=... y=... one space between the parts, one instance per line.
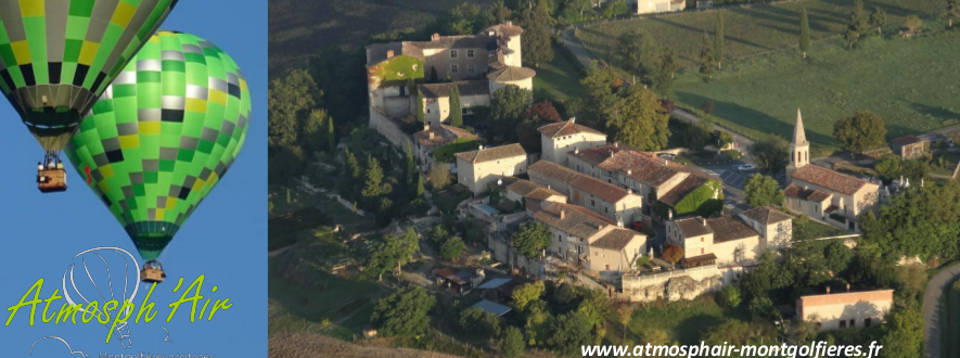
x=911 y=147
x=433 y=137
x=657 y=179
x=477 y=64
x=477 y=169
x=728 y=240
x=823 y=193
x=556 y=139
x=845 y=310
x=581 y=237
x=658 y=6
x=616 y=203
x=531 y=195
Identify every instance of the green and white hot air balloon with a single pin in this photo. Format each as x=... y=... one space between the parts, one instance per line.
x=58 y=56
x=161 y=136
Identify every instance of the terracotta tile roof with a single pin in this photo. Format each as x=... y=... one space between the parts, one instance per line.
x=846 y=298
x=644 y=167
x=815 y=195
x=696 y=260
x=552 y=170
x=467 y=88
x=601 y=189
x=492 y=153
x=457 y=41
x=577 y=220
x=616 y=239
x=726 y=228
x=690 y=227
x=511 y=73
x=827 y=178
x=568 y=127
x=521 y=186
x=766 y=215
x=377 y=53
x=442 y=135
x=681 y=190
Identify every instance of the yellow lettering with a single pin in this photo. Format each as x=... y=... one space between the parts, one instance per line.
x=195 y=286
x=37 y=286
x=52 y=298
x=147 y=306
x=128 y=308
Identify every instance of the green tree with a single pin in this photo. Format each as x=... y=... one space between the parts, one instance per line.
x=410 y=170
x=863 y=131
x=331 y=136
x=614 y=8
x=771 y=154
x=404 y=312
x=888 y=167
x=452 y=249
x=804 y=33
x=914 y=169
x=466 y=18
x=373 y=182
x=512 y=344
x=456 y=112
x=952 y=12
x=730 y=296
x=507 y=106
x=531 y=239
x=600 y=93
x=527 y=293
x=438 y=235
x=718 y=42
x=706 y=57
x=638 y=54
x=878 y=19
x=916 y=222
x=420 y=189
x=480 y=324
x=903 y=333
x=571 y=331
x=763 y=190
x=290 y=97
x=663 y=80
x=912 y=23
x=639 y=121
x=535 y=40
x=439 y=175
x=313 y=136
x=736 y=331
x=499 y=12
x=393 y=252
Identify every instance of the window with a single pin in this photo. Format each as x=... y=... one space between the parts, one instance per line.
x=470 y=68
x=701 y=239
x=843 y=324
x=701 y=251
x=866 y=322
x=853 y=323
x=453 y=53
x=470 y=53
x=454 y=68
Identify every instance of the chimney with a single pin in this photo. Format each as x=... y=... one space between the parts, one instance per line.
x=480 y=147
x=430 y=135
x=426 y=126
x=573 y=119
x=389 y=53
x=616 y=144
x=665 y=162
x=509 y=23
x=828 y=290
x=563 y=213
x=435 y=37
x=576 y=150
x=703 y=221
x=620 y=223
x=548 y=187
x=629 y=171
x=629 y=191
x=848 y=287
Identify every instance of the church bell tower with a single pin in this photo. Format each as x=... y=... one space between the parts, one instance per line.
x=799 y=148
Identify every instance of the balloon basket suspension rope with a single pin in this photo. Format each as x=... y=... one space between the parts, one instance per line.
x=51 y=177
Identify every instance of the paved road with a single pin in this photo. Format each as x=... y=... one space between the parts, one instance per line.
x=931 y=307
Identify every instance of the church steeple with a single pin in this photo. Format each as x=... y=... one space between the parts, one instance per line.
x=799 y=148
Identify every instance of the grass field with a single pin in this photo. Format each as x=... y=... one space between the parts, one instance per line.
x=749 y=30
x=951 y=330
x=907 y=82
x=683 y=321
x=558 y=80
x=805 y=229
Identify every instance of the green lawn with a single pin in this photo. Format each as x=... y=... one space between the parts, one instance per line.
x=558 y=80
x=804 y=229
x=910 y=83
x=750 y=29
x=951 y=330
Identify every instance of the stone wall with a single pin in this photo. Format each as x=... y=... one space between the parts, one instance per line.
x=683 y=284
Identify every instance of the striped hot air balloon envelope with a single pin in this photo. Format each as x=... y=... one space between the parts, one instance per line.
x=162 y=135
x=58 y=56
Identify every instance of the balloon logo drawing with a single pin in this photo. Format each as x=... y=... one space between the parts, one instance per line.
x=103 y=274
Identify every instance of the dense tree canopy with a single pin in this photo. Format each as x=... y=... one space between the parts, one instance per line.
x=537 y=46
x=919 y=221
x=771 y=154
x=804 y=33
x=531 y=239
x=393 y=252
x=507 y=106
x=630 y=114
x=903 y=333
x=763 y=190
x=863 y=131
x=404 y=312
x=292 y=97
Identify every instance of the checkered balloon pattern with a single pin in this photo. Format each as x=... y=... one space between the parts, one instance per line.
x=58 y=56
x=162 y=135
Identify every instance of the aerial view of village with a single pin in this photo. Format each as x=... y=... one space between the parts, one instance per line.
x=563 y=178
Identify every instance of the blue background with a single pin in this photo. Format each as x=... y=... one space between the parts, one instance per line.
x=225 y=238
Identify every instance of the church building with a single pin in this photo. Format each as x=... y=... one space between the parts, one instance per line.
x=822 y=193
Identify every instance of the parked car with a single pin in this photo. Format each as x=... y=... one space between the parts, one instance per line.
x=637 y=225
x=670 y=156
x=746 y=167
